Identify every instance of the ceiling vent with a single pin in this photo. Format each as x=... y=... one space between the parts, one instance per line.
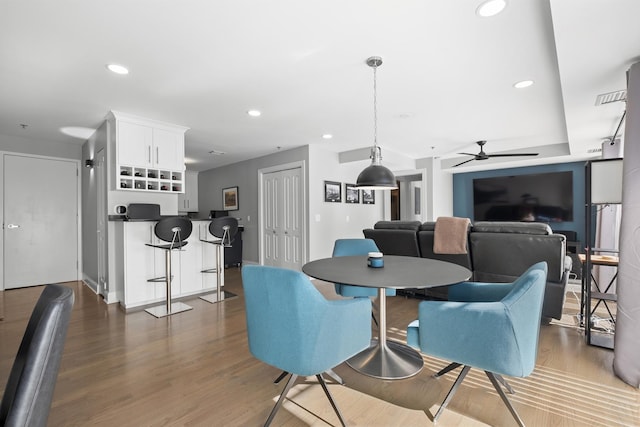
x=608 y=98
x=594 y=150
x=216 y=153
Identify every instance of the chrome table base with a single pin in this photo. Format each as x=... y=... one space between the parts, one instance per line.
x=388 y=360
x=391 y=361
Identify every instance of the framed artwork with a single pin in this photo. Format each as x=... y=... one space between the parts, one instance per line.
x=230 y=199
x=332 y=191
x=352 y=193
x=368 y=197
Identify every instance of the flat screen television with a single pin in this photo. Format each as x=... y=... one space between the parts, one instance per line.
x=542 y=197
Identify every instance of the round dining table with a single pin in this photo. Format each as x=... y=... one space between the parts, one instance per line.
x=387 y=359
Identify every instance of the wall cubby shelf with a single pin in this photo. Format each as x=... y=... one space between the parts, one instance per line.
x=144 y=179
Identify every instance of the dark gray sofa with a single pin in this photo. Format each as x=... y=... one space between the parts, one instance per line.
x=497 y=252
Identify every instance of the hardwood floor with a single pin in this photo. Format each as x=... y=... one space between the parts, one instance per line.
x=194 y=369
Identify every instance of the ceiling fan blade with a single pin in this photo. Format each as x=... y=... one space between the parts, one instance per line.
x=513 y=155
x=462 y=163
x=468 y=154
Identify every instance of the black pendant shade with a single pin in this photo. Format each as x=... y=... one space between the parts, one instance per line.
x=376 y=177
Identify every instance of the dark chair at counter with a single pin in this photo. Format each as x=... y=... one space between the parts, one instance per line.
x=225 y=230
x=175 y=231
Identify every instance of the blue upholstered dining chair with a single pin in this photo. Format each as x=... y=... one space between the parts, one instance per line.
x=291 y=326
x=351 y=247
x=495 y=327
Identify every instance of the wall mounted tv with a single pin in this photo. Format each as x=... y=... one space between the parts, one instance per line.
x=541 y=197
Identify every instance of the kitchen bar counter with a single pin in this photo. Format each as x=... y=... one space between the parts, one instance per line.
x=136 y=263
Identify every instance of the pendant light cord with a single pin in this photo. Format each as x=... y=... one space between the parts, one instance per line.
x=375 y=110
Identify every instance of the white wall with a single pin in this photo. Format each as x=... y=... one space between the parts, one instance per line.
x=331 y=221
x=439 y=189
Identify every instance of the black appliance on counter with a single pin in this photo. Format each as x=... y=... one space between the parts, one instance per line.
x=232 y=254
x=143 y=211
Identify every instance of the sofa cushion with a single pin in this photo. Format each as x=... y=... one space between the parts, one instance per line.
x=397 y=225
x=509 y=254
x=536 y=228
x=395 y=237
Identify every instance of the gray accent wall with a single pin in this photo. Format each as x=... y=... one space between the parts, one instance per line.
x=325 y=221
x=243 y=175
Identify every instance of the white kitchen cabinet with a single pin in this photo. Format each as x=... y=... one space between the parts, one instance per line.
x=188 y=201
x=149 y=154
x=134 y=143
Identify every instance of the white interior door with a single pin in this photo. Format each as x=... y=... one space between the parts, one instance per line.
x=40 y=230
x=282 y=214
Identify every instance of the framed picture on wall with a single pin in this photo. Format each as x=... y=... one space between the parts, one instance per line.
x=352 y=193
x=368 y=197
x=332 y=191
x=230 y=199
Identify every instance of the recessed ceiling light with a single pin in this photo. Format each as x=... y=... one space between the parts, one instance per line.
x=254 y=113
x=327 y=136
x=491 y=8
x=118 y=69
x=523 y=84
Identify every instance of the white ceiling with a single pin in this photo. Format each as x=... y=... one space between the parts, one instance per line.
x=446 y=80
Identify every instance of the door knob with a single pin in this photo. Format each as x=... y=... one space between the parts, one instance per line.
x=13 y=226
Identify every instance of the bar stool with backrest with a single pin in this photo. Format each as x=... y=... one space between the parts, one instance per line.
x=175 y=231
x=225 y=230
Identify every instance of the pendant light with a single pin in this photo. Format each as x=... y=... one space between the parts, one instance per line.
x=376 y=176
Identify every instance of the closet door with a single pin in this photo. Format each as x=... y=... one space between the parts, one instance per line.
x=282 y=219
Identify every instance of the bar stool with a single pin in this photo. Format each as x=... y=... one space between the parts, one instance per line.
x=175 y=231
x=225 y=229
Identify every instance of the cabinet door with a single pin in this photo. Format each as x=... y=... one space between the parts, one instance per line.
x=139 y=261
x=134 y=144
x=188 y=202
x=168 y=150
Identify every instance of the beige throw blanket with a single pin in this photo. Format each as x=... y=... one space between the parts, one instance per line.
x=450 y=235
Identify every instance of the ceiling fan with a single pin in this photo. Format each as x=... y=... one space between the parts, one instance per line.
x=484 y=156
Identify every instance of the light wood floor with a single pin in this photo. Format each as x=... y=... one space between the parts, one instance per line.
x=194 y=369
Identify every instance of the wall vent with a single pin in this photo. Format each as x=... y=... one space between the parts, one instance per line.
x=608 y=98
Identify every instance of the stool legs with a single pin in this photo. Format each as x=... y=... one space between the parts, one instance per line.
x=169 y=308
x=220 y=295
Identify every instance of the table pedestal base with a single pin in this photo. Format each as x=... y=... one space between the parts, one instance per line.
x=389 y=360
